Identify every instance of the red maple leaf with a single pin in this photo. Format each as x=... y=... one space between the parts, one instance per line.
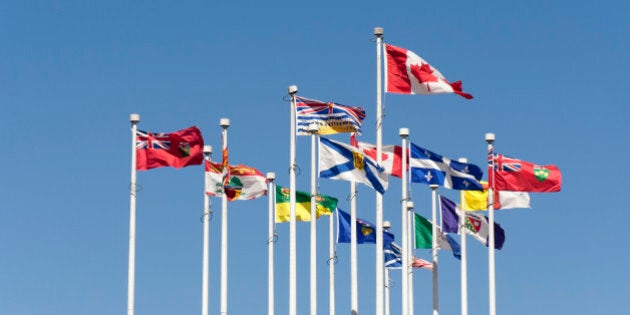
x=423 y=73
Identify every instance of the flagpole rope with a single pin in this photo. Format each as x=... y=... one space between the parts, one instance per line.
x=135 y=188
x=390 y=284
x=210 y=215
x=334 y=259
x=350 y=197
x=273 y=239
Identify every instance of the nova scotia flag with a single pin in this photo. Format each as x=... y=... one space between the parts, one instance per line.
x=341 y=161
x=431 y=168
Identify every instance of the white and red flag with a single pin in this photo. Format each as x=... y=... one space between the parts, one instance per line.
x=408 y=73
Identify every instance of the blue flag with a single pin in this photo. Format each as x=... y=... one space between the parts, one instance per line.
x=393 y=256
x=431 y=168
x=366 y=231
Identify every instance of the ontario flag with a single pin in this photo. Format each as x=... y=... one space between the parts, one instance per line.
x=517 y=175
x=176 y=149
x=408 y=73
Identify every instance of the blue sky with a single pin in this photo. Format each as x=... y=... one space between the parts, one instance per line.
x=549 y=80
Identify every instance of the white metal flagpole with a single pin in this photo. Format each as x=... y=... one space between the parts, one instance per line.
x=410 y=238
x=491 y=275
x=404 y=133
x=224 y=123
x=312 y=128
x=292 y=226
x=354 y=276
x=378 y=32
x=434 y=248
x=464 y=259
x=207 y=152
x=131 y=273
x=271 y=192
x=386 y=226
x=331 y=264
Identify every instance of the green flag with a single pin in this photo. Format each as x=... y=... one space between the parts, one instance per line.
x=424 y=230
x=325 y=205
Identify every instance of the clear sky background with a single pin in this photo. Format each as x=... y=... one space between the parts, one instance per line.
x=549 y=79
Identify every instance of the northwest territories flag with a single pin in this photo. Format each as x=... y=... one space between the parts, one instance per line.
x=329 y=117
x=342 y=161
x=431 y=168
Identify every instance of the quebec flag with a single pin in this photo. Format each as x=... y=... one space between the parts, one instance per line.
x=341 y=161
x=431 y=168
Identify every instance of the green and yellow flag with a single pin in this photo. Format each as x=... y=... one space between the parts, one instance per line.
x=325 y=205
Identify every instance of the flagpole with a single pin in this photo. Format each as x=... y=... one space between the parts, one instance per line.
x=131 y=273
x=464 y=259
x=271 y=176
x=386 y=226
x=434 y=248
x=313 y=129
x=207 y=152
x=331 y=264
x=224 y=123
x=292 y=226
x=378 y=33
x=491 y=276
x=410 y=228
x=354 y=276
x=404 y=133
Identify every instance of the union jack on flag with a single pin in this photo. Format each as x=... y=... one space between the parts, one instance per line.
x=156 y=141
x=506 y=164
x=329 y=117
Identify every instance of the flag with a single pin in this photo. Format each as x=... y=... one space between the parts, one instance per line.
x=365 y=230
x=324 y=205
x=329 y=117
x=478 y=200
x=245 y=183
x=393 y=258
x=477 y=225
x=391 y=157
x=407 y=73
x=424 y=238
x=518 y=175
x=214 y=179
x=431 y=168
x=176 y=149
x=342 y=161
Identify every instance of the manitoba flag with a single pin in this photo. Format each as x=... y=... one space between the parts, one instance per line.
x=176 y=149
x=407 y=73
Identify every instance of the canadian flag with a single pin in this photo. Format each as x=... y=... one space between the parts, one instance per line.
x=391 y=157
x=407 y=73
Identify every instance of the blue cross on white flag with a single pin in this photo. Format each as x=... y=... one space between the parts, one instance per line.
x=341 y=161
x=431 y=168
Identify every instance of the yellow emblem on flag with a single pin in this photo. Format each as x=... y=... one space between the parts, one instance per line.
x=358 y=157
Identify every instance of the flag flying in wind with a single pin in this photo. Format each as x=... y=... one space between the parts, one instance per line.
x=424 y=238
x=431 y=168
x=366 y=231
x=176 y=149
x=393 y=258
x=329 y=117
x=518 y=175
x=477 y=225
x=342 y=161
x=214 y=179
x=478 y=200
x=245 y=183
x=407 y=73
x=324 y=205
x=391 y=157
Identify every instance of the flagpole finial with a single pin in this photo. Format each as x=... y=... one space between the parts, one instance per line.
x=409 y=205
x=207 y=149
x=224 y=122
x=387 y=225
x=403 y=132
x=134 y=118
x=434 y=186
x=378 y=31
x=489 y=137
x=293 y=89
x=271 y=176
x=313 y=128
x=463 y=160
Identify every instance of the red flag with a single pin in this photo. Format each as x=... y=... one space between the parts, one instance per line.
x=518 y=175
x=391 y=157
x=408 y=73
x=176 y=149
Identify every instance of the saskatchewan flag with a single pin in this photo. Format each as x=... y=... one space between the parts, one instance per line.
x=325 y=205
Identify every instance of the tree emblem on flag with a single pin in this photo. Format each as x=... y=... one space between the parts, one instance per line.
x=473 y=224
x=184 y=149
x=541 y=173
x=358 y=157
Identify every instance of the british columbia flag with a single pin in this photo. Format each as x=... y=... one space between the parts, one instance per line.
x=329 y=117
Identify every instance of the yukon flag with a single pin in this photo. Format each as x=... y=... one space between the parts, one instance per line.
x=407 y=73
